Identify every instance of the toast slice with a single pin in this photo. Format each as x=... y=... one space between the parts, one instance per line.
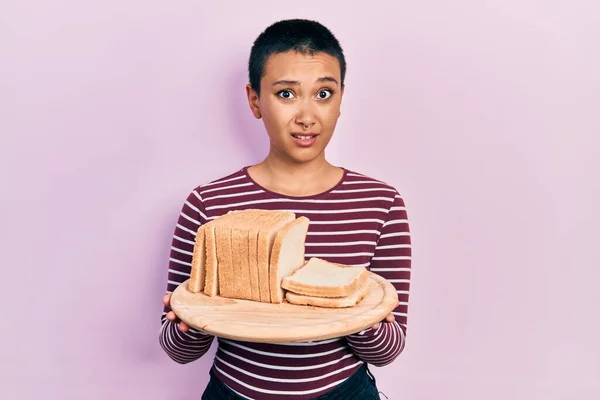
x=287 y=255
x=198 y=272
x=336 y=302
x=269 y=228
x=322 y=278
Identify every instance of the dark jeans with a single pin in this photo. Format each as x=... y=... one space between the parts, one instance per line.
x=360 y=386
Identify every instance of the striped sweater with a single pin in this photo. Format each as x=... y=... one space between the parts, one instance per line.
x=360 y=222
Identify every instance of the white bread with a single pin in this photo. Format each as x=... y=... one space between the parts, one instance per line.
x=259 y=255
x=266 y=236
x=322 y=278
x=336 y=302
x=198 y=272
x=242 y=287
x=253 y=261
x=230 y=257
x=287 y=255
x=211 y=286
x=224 y=256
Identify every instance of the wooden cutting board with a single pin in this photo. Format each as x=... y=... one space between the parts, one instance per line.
x=251 y=321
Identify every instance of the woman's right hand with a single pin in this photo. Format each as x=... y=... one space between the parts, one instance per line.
x=183 y=327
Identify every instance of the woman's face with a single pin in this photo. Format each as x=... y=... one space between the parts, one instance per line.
x=299 y=103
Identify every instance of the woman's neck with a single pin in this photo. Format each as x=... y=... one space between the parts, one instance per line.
x=296 y=179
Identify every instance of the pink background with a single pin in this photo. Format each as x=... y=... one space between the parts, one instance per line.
x=484 y=114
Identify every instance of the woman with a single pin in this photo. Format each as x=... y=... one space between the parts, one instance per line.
x=296 y=73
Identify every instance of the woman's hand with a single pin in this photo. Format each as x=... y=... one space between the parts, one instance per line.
x=389 y=318
x=183 y=327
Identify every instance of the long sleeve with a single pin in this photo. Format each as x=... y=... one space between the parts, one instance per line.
x=392 y=261
x=183 y=347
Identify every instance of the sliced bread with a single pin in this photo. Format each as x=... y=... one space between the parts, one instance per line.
x=211 y=286
x=230 y=257
x=322 y=278
x=269 y=228
x=198 y=271
x=240 y=247
x=287 y=255
x=224 y=256
x=253 y=260
x=219 y=257
x=335 y=302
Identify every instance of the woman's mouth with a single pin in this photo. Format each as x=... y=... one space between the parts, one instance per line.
x=304 y=140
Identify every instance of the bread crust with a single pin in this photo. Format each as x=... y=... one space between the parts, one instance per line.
x=198 y=271
x=339 y=302
x=211 y=286
x=325 y=290
x=266 y=235
x=241 y=257
x=275 y=267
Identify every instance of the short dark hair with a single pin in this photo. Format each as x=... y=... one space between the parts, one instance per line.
x=300 y=35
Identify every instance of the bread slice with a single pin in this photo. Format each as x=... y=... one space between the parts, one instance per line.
x=198 y=272
x=213 y=258
x=224 y=256
x=228 y=256
x=253 y=260
x=269 y=228
x=336 y=302
x=322 y=278
x=211 y=285
x=240 y=247
x=253 y=228
x=287 y=255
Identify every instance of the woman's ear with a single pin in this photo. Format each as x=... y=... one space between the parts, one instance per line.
x=253 y=101
x=342 y=96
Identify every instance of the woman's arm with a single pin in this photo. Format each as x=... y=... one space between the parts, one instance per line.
x=183 y=346
x=392 y=261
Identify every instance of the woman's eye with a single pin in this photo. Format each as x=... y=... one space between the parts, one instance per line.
x=324 y=94
x=286 y=94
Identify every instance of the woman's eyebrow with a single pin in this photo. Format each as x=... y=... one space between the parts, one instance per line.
x=289 y=82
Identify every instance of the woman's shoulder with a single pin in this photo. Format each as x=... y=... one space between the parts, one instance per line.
x=221 y=182
x=363 y=181
x=217 y=186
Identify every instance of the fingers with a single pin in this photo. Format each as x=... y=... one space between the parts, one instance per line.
x=171 y=316
x=389 y=318
x=183 y=327
x=167 y=300
x=180 y=324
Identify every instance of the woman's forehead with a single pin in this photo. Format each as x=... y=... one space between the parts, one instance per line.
x=302 y=68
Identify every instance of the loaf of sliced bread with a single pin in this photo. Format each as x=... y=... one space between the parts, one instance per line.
x=335 y=302
x=259 y=255
x=287 y=255
x=322 y=278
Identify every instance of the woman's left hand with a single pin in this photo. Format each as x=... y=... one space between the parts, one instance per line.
x=389 y=318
